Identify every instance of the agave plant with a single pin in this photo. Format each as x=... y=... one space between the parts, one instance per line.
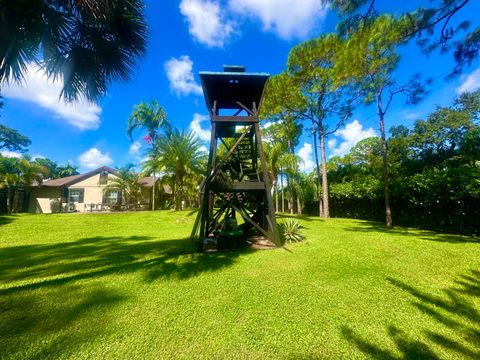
x=291 y=230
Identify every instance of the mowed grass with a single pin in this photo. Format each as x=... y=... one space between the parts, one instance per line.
x=130 y=286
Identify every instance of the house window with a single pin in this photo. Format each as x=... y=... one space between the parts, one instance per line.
x=112 y=197
x=103 y=178
x=75 y=195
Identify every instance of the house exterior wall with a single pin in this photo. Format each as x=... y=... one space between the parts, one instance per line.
x=147 y=195
x=47 y=199
x=44 y=200
x=93 y=191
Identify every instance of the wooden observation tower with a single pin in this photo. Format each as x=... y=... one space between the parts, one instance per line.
x=237 y=186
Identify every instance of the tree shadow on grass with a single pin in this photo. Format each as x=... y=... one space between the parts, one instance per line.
x=454 y=312
x=6 y=219
x=42 y=325
x=36 y=266
x=371 y=226
x=46 y=310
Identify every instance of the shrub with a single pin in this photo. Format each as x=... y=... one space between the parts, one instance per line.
x=291 y=231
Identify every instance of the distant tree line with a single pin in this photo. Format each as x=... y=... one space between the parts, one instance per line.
x=434 y=172
x=327 y=77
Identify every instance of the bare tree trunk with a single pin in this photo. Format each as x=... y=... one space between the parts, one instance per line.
x=386 y=187
x=317 y=168
x=299 y=205
x=291 y=182
x=178 y=199
x=9 y=200
x=283 y=198
x=326 y=208
x=290 y=195
x=15 y=200
x=174 y=195
x=274 y=183
x=154 y=140
x=153 y=192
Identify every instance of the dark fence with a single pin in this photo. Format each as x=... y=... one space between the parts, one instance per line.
x=456 y=216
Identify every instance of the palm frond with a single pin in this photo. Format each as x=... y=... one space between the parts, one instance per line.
x=87 y=44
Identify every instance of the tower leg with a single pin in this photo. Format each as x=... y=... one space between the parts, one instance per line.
x=270 y=209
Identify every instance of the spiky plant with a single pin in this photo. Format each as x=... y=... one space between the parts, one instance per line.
x=291 y=230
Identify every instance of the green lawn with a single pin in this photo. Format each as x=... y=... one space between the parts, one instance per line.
x=129 y=286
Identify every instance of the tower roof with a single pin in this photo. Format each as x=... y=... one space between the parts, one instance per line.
x=231 y=86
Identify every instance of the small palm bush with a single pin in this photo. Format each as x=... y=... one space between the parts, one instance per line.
x=291 y=231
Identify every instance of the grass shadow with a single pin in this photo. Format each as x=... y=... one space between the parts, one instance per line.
x=377 y=227
x=454 y=312
x=36 y=266
x=46 y=308
x=36 y=325
x=6 y=219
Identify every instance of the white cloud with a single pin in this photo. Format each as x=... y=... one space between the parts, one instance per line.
x=195 y=126
x=287 y=18
x=10 y=154
x=305 y=154
x=180 y=74
x=38 y=156
x=352 y=133
x=135 y=149
x=203 y=149
x=41 y=90
x=332 y=143
x=94 y=158
x=470 y=82
x=206 y=22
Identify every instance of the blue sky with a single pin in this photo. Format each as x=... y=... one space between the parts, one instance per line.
x=189 y=36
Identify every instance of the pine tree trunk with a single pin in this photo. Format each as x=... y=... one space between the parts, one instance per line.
x=317 y=163
x=326 y=207
x=386 y=187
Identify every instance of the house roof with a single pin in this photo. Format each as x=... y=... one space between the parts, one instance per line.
x=146 y=181
x=167 y=189
x=70 y=180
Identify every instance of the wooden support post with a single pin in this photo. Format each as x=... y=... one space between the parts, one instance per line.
x=270 y=210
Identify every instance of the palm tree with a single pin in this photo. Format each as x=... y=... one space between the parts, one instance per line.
x=273 y=154
x=127 y=182
x=8 y=178
x=151 y=117
x=182 y=160
x=30 y=172
x=88 y=44
x=151 y=164
x=16 y=173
